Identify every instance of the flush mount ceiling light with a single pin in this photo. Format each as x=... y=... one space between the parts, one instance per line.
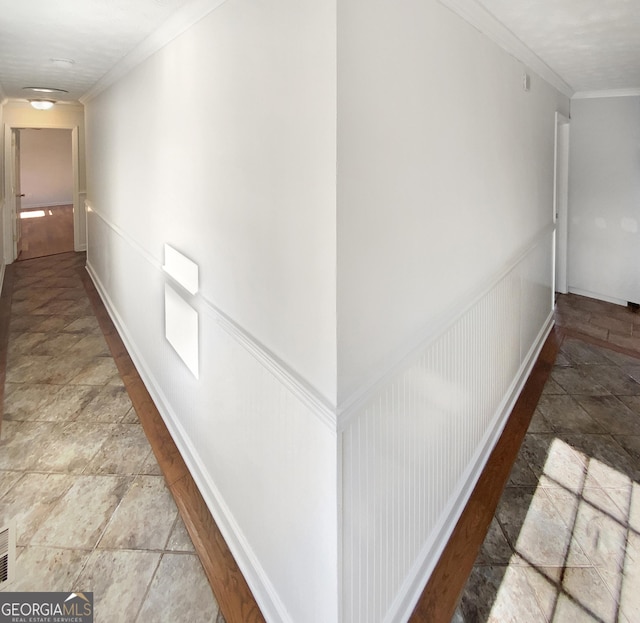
x=42 y=104
x=44 y=90
x=62 y=62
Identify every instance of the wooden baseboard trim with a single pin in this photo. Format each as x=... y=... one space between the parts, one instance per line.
x=444 y=588
x=229 y=586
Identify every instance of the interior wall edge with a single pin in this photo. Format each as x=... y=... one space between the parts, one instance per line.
x=264 y=592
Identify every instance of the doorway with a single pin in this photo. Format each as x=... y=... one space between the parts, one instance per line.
x=12 y=226
x=44 y=192
x=561 y=203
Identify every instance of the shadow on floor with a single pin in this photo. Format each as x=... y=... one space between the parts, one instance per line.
x=564 y=544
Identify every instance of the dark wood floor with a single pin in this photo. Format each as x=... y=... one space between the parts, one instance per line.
x=48 y=232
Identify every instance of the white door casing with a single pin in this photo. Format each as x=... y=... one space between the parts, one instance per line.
x=561 y=202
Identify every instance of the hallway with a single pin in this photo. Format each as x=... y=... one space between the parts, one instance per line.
x=94 y=513
x=77 y=474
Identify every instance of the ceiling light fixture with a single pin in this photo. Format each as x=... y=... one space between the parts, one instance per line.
x=44 y=89
x=42 y=104
x=62 y=62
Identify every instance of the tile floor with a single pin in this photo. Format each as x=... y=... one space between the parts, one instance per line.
x=93 y=512
x=564 y=544
x=76 y=471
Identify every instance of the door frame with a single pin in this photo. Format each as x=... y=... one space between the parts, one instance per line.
x=10 y=212
x=15 y=190
x=561 y=204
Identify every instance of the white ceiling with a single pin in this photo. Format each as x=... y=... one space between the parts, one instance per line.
x=95 y=34
x=592 y=45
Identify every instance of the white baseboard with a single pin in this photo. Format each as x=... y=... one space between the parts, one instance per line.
x=54 y=204
x=265 y=594
x=599 y=297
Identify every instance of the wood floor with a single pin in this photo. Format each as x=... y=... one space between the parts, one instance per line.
x=48 y=231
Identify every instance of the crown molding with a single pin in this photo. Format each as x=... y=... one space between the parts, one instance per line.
x=481 y=19
x=585 y=95
x=175 y=25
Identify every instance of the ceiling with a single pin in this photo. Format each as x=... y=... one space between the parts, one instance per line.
x=95 y=34
x=592 y=45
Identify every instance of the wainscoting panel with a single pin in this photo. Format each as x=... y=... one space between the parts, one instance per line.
x=412 y=452
x=263 y=458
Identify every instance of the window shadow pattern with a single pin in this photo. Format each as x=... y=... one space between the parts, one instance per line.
x=564 y=544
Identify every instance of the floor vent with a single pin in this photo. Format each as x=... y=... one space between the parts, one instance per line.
x=7 y=553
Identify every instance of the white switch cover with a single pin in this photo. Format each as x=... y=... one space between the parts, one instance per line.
x=181 y=268
x=181 y=328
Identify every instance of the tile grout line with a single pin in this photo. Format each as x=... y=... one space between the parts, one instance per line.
x=109 y=426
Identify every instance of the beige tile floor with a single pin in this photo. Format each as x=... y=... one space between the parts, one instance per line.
x=77 y=474
x=93 y=513
x=564 y=544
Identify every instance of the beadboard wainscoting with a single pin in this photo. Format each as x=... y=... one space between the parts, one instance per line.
x=358 y=500
x=413 y=449
x=261 y=446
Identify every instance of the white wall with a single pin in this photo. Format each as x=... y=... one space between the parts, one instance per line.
x=368 y=194
x=445 y=173
x=604 y=199
x=46 y=172
x=222 y=144
x=63 y=116
x=445 y=229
